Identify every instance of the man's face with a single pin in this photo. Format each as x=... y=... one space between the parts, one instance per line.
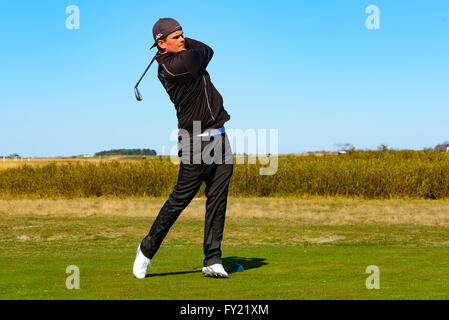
x=173 y=43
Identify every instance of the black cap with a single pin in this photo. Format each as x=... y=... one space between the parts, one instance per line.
x=163 y=27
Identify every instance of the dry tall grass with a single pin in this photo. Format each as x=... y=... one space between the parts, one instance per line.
x=368 y=175
x=318 y=211
x=41 y=162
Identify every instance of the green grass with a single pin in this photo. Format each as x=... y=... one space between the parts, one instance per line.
x=282 y=260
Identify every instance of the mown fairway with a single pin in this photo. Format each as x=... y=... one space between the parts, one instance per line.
x=313 y=248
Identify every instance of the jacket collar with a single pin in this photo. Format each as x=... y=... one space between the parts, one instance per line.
x=160 y=57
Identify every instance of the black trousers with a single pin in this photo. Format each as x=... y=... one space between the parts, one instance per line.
x=216 y=174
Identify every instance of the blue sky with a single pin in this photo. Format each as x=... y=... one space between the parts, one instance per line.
x=310 y=69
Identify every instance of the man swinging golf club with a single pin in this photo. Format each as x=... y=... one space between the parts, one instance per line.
x=199 y=109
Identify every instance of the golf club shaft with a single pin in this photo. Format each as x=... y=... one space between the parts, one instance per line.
x=145 y=72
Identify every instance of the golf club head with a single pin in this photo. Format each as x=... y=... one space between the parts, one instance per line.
x=138 y=95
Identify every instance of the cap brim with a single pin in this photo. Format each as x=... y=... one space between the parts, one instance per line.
x=178 y=27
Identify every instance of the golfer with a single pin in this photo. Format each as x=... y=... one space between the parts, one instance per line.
x=202 y=137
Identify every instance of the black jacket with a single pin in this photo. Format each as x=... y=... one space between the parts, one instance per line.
x=188 y=84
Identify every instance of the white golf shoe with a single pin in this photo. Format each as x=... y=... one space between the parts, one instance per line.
x=141 y=264
x=215 y=271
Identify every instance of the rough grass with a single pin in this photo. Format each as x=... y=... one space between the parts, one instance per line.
x=365 y=175
x=310 y=210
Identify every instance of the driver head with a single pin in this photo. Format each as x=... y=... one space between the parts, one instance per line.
x=138 y=95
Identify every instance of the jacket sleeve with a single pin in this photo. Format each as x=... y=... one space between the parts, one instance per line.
x=193 y=60
x=196 y=57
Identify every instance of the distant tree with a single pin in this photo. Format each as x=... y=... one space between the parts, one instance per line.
x=442 y=147
x=127 y=152
x=383 y=147
x=345 y=146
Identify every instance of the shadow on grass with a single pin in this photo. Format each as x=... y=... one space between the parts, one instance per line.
x=246 y=263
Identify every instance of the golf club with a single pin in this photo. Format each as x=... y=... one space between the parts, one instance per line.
x=136 y=90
